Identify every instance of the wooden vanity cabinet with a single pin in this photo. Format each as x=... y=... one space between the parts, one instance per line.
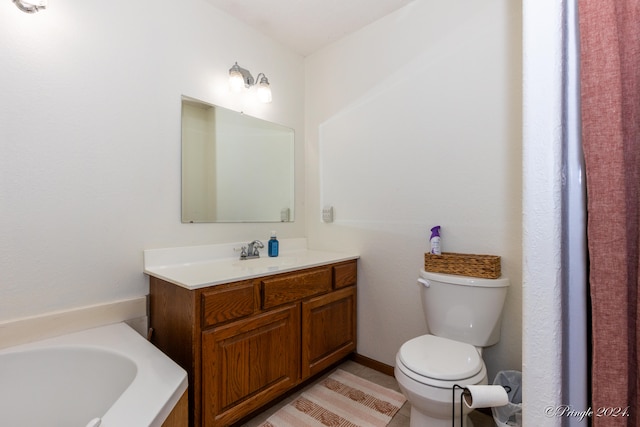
x=243 y=344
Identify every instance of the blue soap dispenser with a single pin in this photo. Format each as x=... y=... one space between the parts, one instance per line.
x=273 y=245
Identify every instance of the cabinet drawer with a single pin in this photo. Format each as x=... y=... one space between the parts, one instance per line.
x=292 y=287
x=224 y=303
x=345 y=274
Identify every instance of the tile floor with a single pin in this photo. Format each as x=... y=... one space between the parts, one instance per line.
x=401 y=419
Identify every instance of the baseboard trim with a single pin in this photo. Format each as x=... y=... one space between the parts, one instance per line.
x=373 y=364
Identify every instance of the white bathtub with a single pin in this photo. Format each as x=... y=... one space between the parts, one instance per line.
x=108 y=376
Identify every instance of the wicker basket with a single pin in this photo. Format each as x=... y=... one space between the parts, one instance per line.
x=485 y=266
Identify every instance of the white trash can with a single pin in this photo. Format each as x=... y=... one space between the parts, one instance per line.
x=510 y=414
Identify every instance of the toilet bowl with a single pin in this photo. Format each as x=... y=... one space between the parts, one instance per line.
x=427 y=368
x=463 y=315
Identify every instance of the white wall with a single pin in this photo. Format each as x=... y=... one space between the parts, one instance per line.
x=90 y=140
x=412 y=122
x=542 y=226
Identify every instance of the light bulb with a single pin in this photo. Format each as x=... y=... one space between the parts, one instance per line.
x=263 y=90
x=236 y=81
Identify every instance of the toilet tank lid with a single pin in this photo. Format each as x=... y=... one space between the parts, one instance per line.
x=455 y=279
x=440 y=358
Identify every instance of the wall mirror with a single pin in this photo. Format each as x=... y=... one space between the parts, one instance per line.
x=235 y=168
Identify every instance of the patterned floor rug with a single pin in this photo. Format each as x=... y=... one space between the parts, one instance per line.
x=341 y=400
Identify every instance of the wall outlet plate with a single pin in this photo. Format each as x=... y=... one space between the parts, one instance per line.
x=284 y=215
x=327 y=214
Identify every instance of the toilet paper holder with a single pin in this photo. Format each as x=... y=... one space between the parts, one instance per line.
x=465 y=392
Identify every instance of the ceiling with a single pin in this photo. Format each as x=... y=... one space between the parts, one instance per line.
x=308 y=25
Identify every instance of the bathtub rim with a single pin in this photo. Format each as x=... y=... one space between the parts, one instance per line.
x=161 y=392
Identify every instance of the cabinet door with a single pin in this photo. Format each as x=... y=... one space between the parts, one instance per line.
x=249 y=362
x=328 y=329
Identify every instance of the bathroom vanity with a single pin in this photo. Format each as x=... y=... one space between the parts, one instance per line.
x=254 y=329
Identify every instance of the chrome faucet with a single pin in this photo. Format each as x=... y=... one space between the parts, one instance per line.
x=252 y=251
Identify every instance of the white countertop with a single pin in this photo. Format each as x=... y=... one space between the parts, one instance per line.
x=200 y=266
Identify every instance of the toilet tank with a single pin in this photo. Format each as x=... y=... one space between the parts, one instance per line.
x=461 y=308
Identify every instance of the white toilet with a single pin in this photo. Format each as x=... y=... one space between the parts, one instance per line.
x=463 y=315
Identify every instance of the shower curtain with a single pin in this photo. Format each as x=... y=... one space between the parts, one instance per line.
x=610 y=98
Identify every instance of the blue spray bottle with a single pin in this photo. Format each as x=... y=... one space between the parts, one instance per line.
x=435 y=240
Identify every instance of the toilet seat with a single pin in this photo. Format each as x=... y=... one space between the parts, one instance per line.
x=441 y=362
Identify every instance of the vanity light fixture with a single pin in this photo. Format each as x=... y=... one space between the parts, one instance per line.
x=30 y=6
x=240 y=78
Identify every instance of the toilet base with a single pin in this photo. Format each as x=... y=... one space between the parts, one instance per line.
x=431 y=406
x=420 y=419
